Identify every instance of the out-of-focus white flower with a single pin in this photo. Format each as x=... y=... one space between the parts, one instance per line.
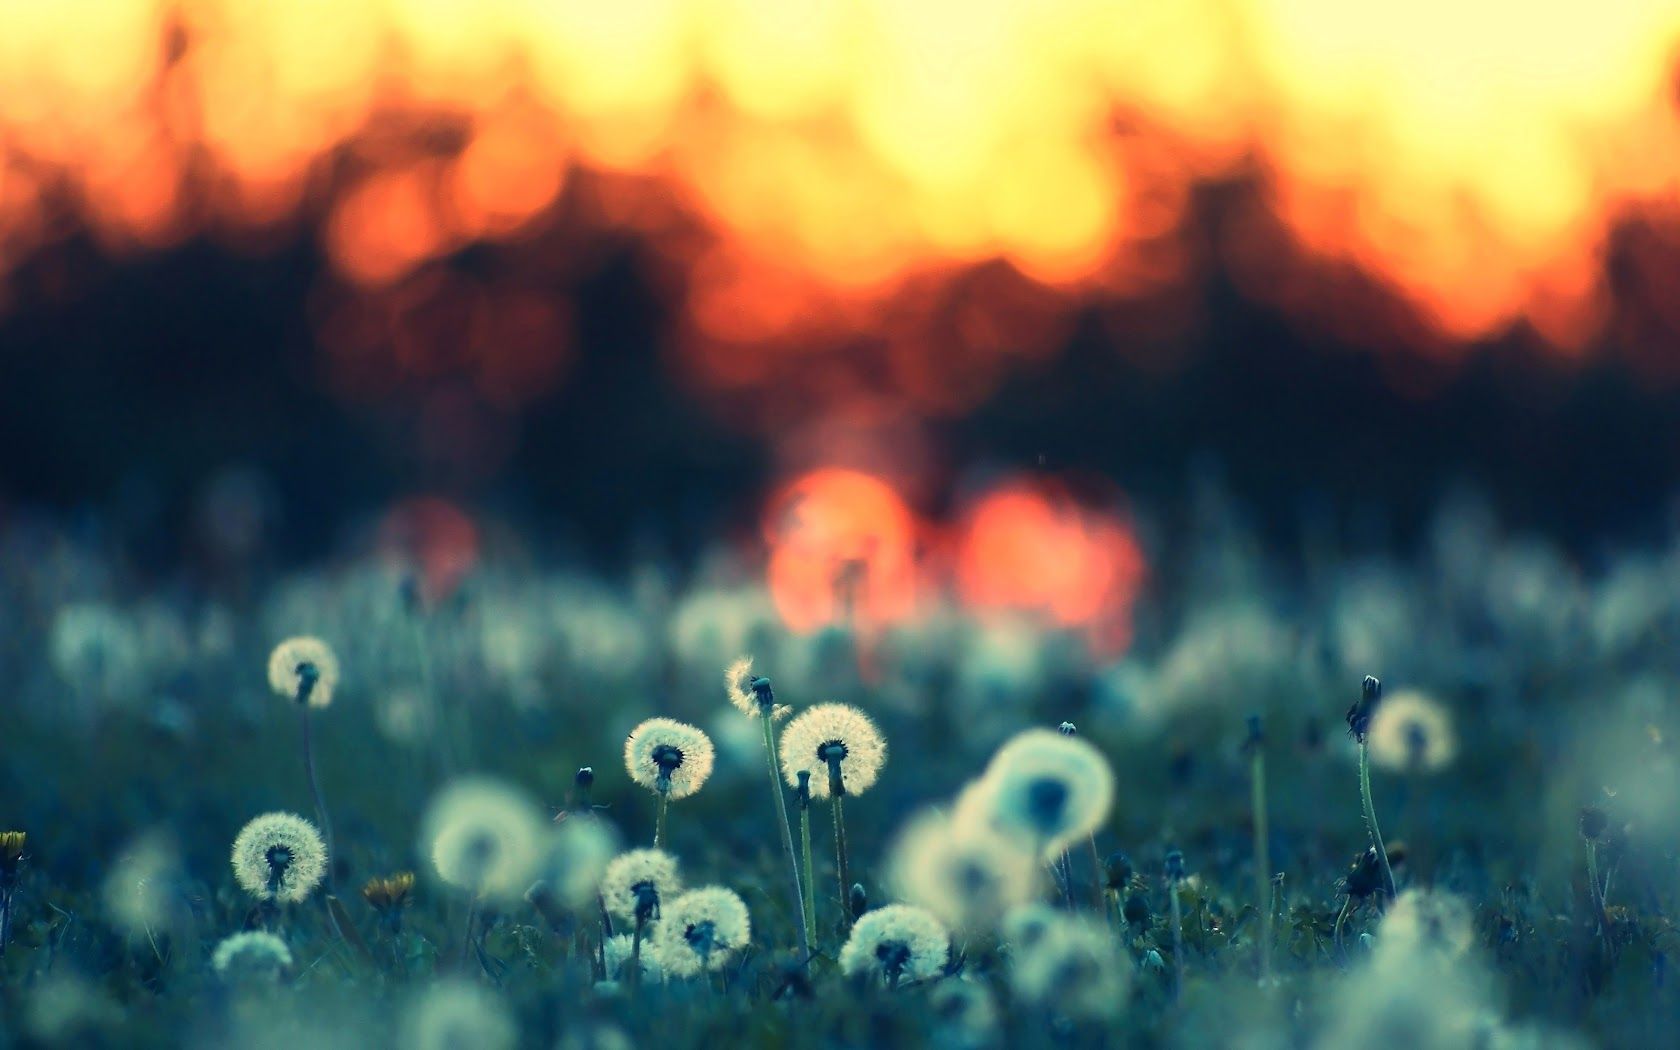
x=702 y=930
x=305 y=670
x=1427 y=920
x=1071 y=968
x=899 y=942
x=965 y=873
x=1412 y=732
x=453 y=1014
x=1044 y=788
x=484 y=837
x=252 y=955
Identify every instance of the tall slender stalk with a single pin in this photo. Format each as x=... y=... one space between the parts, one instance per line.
x=1175 y=875
x=659 y=821
x=766 y=705
x=837 y=793
x=810 y=898
x=315 y=792
x=1371 y=817
x=1262 y=844
x=466 y=939
x=1099 y=898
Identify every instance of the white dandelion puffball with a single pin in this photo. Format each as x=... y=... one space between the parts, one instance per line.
x=897 y=942
x=663 y=754
x=621 y=946
x=639 y=878
x=702 y=930
x=454 y=1013
x=253 y=954
x=279 y=857
x=1045 y=788
x=964 y=873
x=738 y=679
x=304 y=670
x=1411 y=732
x=141 y=890
x=835 y=731
x=484 y=837
x=1072 y=968
x=1432 y=920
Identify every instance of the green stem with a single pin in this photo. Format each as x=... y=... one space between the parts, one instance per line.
x=636 y=951
x=1371 y=818
x=315 y=792
x=810 y=902
x=805 y=914
x=1177 y=911
x=1099 y=899
x=1341 y=919
x=434 y=702
x=837 y=792
x=659 y=821
x=466 y=939
x=1262 y=863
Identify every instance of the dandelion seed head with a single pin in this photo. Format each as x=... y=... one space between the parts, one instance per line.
x=1026 y=924
x=304 y=669
x=139 y=891
x=280 y=857
x=1071 y=968
x=252 y=955
x=897 y=942
x=966 y=1011
x=702 y=929
x=666 y=752
x=639 y=878
x=484 y=837
x=1412 y=732
x=836 y=730
x=1045 y=789
x=454 y=1014
x=965 y=873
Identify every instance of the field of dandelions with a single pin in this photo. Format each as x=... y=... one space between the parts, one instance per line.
x=545 y=809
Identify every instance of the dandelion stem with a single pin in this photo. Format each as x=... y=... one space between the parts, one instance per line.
x=434 y=703
x=5 y=919
x=636 y=950
x=659 y=821
x=837 y=791
x=805 y=915
x=1099 y=898
x=315 y=791
x=1262 y=862
x=1177 y=913
x=1336 y=936
x=810 y=898
x=1371 y=817
x=1596 y=891
x=467 y=936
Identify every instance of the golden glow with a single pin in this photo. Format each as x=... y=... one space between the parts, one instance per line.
x=1471 y=154
x=842 y=550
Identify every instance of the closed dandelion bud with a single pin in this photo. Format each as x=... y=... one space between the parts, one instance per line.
x=454 y=1014
x=304 y=670
x=1594 y=823
x=253 y=956
x=1117 y=871
x=857 y=899
x=668 y=757
x=1068 y=729
x=1365 y=877
x=1175 y=866
x=636 y=883
x=896 y=943
x=484 y=837
x=279 y=857
x=702 y=930
x=1045 y=789
x=1256 y=736
x=582 y=782
x=833 y=742
x=1365 y=708
x=1136 y=912
x=1412 y=733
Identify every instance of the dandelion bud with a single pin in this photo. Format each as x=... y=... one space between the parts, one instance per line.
x=1175 y=866
x=1256 y=733
x=389 y=894
x=584 y=779
x=1136 y=912
x=1068 y=729
x=1117 y=871
x=1360 y=714
x=857 y=899
x=11 y=856
x=1594 y=823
